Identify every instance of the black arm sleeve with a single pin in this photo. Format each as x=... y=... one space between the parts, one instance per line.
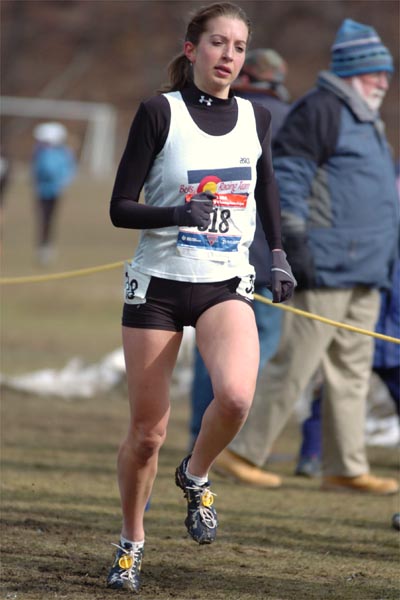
x=146 y=139
x=266 y=192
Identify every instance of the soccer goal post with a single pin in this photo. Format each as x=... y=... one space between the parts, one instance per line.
x=98 y=149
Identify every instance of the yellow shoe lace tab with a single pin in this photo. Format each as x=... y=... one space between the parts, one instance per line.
x=207 y=497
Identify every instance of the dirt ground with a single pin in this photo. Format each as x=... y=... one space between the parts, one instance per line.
x=60 y=505
x=60 y=513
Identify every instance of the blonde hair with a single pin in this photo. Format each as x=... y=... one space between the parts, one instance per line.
x=180 y=69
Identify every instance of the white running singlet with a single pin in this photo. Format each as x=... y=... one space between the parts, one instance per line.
x=225 y=165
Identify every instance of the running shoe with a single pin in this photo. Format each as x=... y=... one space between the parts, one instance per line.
x=125 y=572
x=201 y=521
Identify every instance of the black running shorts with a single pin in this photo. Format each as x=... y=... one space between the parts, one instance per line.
x=171 y=305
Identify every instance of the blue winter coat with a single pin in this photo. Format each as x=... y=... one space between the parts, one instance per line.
x=53 y=168
x=387 y=355
x=338 y=192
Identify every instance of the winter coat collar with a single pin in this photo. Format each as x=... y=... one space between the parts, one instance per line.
x=328 y=81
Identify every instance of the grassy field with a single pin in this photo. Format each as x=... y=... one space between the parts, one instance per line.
x=60 y=505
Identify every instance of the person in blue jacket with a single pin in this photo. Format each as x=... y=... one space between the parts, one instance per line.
x=340 y=223
x=53 y=169
x=386 y=362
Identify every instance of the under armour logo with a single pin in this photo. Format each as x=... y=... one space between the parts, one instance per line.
x=203 y=99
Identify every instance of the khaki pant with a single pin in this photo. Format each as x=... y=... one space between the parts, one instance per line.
x=345 y=358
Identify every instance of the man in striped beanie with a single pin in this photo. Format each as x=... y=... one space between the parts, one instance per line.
x=359 y=56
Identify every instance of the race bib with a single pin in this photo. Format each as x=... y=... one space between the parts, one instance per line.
x=135 y=285
x=223 y=235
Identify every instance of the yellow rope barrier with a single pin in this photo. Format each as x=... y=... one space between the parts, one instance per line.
x=53 y=276
x=304 y=313
x=98 y=269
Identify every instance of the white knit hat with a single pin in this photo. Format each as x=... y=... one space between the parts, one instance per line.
x=50 y=133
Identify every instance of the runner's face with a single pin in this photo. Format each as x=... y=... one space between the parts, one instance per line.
x=219 y=56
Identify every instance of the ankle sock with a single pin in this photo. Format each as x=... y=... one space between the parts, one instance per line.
x=135 y=545
x=197 y=480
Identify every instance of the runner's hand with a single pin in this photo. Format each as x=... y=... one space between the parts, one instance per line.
x=196 y=212
x=282 y=279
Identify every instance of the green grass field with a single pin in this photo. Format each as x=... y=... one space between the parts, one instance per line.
x=60 y=504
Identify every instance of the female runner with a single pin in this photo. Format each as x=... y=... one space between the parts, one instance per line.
x=203 y=158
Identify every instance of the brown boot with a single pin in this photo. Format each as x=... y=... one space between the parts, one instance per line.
x=366 y=484
x=240 y=470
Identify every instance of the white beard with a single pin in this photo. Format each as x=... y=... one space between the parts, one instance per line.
x=373 y=100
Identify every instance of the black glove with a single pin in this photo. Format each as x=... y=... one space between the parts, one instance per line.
x=197 y=212
x=282 y=280
x=301 y=260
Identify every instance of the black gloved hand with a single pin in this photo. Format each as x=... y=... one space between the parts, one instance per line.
x=282 y=280
x=197 y=212
x=300 y=259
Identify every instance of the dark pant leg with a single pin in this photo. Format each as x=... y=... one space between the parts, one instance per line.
x=391 y=378
x=47 y=209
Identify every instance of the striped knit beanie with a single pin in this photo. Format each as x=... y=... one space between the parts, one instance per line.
x=358 y=49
